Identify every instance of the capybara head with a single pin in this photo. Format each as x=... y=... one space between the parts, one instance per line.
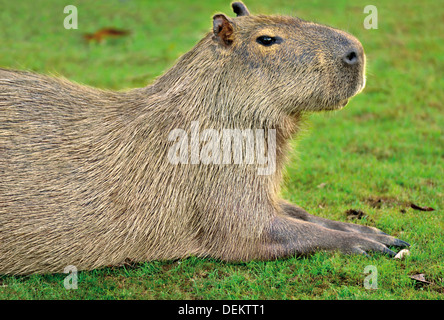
x=302 y=65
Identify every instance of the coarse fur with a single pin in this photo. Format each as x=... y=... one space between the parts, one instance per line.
x=85 y=176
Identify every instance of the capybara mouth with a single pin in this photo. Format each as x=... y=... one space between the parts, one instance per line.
x=341 y=104
x=337 y=106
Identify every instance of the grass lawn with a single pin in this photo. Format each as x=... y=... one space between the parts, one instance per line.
x=384 y=151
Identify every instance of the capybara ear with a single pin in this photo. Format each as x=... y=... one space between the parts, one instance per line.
x=222 y=30
x=240 y=9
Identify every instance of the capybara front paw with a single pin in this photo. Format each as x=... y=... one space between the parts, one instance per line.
x=364 y=243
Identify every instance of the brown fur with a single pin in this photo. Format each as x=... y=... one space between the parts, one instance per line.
x=85 y=179
x=104 y=33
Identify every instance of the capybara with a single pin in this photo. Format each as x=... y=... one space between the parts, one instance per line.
x=94 y=178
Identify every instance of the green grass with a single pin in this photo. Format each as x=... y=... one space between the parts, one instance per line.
x=381 y=153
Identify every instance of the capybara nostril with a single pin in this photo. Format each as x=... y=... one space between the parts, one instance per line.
x=351 y=57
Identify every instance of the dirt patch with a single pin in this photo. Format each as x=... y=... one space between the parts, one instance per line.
x=386 y=202
x=355 y=214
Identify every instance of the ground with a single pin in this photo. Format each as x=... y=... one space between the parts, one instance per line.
x=381 y=154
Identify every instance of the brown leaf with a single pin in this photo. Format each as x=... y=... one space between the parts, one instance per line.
x=101 y=34
x=420 y=277
x=414 y=206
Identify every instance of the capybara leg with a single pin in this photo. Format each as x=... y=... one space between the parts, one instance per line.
x=298 y=213
x=288 y=236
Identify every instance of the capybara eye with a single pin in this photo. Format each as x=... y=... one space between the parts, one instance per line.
x=266 y=40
